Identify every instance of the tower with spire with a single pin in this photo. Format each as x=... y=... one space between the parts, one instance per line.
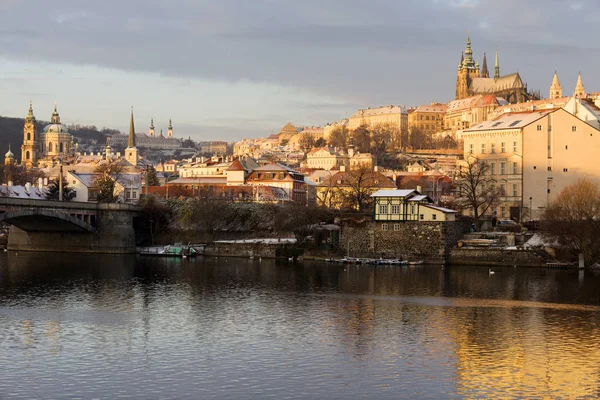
x=467 y=71
x=29 y=149
x=170 y=129
x=579 y=89
x=131 y=152
x=151 y=130
x=9 y=157
x=496 y=67
x=485 y=73
x=555 y=88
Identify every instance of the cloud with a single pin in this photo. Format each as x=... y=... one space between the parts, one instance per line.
x=387 y=52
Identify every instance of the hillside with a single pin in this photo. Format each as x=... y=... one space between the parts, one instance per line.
x=11 y=131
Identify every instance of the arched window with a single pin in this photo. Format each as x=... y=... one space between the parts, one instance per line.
x=61 y=147
x=27 y=155
x=50 y=147
x=28 y=135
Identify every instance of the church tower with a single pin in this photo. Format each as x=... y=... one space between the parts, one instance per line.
x=579 y=89
x=131 y=152
x=485 y=73
x=151 y=131
x=467 y=71
x=170 y=129
x=555 y=88
x=29 y=149
x=9 y=157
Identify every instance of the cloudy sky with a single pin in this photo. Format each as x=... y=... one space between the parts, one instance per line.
x=226 y=69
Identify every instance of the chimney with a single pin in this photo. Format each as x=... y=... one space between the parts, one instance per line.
x=40 y=183
x=27 y=187
x=45 y=181
x=419 y=189
x=9 y=183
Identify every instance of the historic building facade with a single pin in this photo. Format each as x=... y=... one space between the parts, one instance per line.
x=472 y=80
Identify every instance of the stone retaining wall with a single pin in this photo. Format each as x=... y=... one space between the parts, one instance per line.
x=428 y=241
x=487 y=256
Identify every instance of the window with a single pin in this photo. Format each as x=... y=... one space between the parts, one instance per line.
x=28 y=135
x=492 y=168
x=493 y=148
x=534 y=167
x=74 y=182
x=548 y=190
x=573 y=128
x=422 y=216
x=539 y=127
x=50 y=147
x=514 y=147
x=412 y=208
x=565 y=169
x=549 y=168
x=383 y=209
x=27 y=155
x=503 y=211
x=566 y=147
x=434 y=217
x=482 y=148
x=395 y=209
x=134 y=194
x=471 y=148
x=384 y=227
x=502 y=189
x=61 y=147
x=396 y=227
x=502 y=168
x=515 y=169
x=502 y=148
x=515 y=193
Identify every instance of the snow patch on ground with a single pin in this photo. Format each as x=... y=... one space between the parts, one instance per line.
x=262 y=240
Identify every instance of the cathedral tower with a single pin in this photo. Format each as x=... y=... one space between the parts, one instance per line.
x=555 y=88
x=170 y=129
x=131 y=152
x=496 y=68
x=467 y=71
x=151 y=131
x=579 y=89
x=29 y=149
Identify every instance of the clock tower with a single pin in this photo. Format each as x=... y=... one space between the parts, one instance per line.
x=29 y=149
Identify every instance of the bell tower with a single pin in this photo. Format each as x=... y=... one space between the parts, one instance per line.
x=555 y=88
x=468 y=69
x=29 y=149
x=151 y=131
x=170 y=129
x=131 y=152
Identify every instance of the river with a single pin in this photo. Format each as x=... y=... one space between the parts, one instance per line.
x=109 y=327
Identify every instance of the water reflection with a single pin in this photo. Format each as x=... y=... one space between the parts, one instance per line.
x=105 y=326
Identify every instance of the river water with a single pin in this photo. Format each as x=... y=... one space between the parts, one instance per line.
x=109 y=327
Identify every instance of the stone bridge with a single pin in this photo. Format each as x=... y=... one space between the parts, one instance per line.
x=66 y=226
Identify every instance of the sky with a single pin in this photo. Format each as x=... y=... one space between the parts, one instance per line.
x=228 y=69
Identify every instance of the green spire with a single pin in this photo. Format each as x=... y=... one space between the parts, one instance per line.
x=170 y=125
x=131 y=142
x=55 y=116
x=151 y=123
x=496 y=67
x=30 y=113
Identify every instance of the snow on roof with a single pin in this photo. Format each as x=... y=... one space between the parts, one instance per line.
x=510 y=121
x=442 y=209
x=394 y=193
x=420 y=197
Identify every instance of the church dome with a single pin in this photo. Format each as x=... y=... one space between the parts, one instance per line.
x=55 y=128
x=9 y=154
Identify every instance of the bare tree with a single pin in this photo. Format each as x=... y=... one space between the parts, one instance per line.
x=358 y=184
x=339 y=137
x=306 y=142
x=573 y=220
x=108 y=175
x=361 y=138
x=477 y=188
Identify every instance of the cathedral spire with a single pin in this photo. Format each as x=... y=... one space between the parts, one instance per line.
x=131 y=142
x=497 y=67
x=555 y=88
x=484 y=68
x=579 y=89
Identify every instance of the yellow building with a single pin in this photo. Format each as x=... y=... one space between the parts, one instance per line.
x=393 y=116
x=428 y=118
x=533 y=156
x=326 y=158
x=464 y=113
x=408 y=205
x=286 y=133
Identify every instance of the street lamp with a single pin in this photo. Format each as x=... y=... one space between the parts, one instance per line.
x=530 y=209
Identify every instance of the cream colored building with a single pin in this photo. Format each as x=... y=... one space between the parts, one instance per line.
x=428 y=118
x=394 y=116
x=533 y=156
x=464 y=113
x=326 y=158
x=407 y=205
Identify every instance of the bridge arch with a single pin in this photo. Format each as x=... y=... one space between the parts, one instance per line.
x=43 y=220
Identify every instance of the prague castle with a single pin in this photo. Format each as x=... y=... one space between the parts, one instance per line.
x=472 y=80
